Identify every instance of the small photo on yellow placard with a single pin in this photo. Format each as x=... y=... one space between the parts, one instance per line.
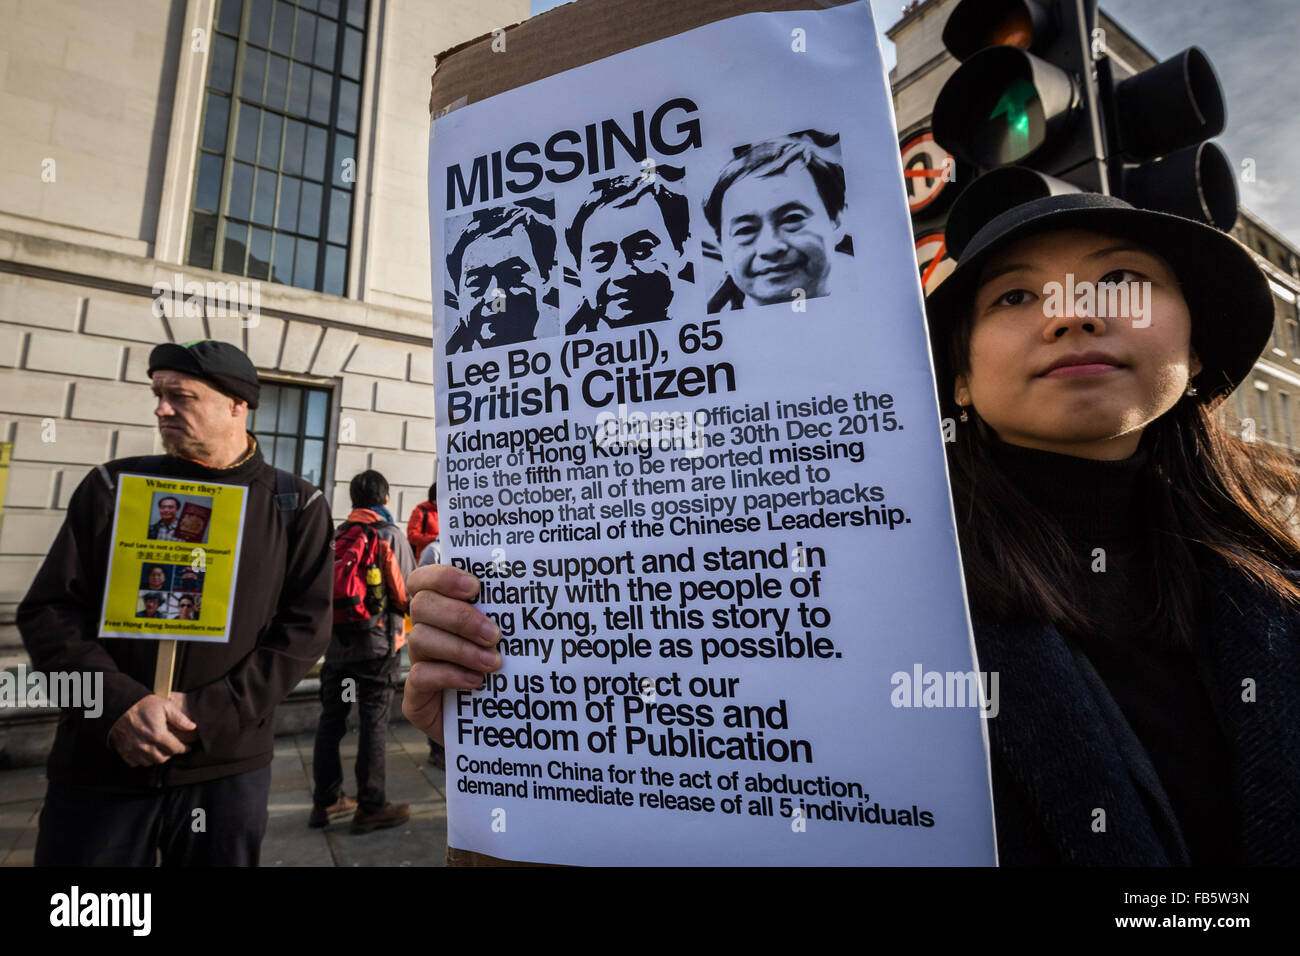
x=172 y=569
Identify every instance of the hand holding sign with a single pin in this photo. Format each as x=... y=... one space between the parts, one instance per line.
x=153 y=731
x=451 y=644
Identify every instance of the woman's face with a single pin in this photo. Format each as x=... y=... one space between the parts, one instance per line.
x=1056 y=368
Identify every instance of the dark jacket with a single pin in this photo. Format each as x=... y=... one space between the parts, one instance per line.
x=385 y=636
x=1061 y=748
x=280 y=628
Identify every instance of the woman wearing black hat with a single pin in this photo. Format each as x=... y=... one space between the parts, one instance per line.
x=1126 y=557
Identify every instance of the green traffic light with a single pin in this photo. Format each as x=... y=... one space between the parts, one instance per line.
x=1014 y=104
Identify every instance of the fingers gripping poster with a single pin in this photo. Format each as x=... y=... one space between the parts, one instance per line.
x=690 y=445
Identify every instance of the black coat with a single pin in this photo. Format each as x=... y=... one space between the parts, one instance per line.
x=280 y=628
x=1061 y=748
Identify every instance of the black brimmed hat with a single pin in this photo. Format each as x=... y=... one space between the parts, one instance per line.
x=220 y=364
x=1227 y=294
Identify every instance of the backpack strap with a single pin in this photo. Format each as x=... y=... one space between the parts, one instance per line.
x=372 y=540
x=145 y=463
x=287 y=497
x=370 y=551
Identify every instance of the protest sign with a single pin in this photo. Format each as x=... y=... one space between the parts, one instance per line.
x=174 y=551
x=689 y=443
x=6 y=454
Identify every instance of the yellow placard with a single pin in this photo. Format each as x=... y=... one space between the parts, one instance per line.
x=171 y=572
x=6 y=453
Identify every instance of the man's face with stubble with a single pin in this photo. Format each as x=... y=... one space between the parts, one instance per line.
x=502 y=285
x=628 y=262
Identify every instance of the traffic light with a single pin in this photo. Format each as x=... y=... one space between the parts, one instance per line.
x=1024 y=92
x=1157 y=123
x=1037 y=107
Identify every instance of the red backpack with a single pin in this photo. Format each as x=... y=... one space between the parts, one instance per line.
x=358 y=582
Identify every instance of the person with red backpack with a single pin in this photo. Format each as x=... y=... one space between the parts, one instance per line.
x=371 y=562
x=422 y=526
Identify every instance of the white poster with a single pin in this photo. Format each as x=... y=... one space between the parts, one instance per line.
x=689 y=442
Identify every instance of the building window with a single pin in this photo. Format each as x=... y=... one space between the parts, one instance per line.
x=1293 y=330
x=273 y=183
x=1284 y=416
x=1238 y=403
x=291 y=422
x=1261 y=422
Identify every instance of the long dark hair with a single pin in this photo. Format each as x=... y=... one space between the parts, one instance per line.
x=1206 y=488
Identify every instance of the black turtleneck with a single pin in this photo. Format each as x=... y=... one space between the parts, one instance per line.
x=1153 y=677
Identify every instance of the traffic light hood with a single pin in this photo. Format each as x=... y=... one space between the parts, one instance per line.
x=1227 y=294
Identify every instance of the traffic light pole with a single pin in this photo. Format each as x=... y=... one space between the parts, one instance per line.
x=1085 y=46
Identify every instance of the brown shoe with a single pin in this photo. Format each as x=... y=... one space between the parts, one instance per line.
x=391 y=815
x=320 y=816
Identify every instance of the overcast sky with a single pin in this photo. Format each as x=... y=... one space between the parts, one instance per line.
x=1253 y=45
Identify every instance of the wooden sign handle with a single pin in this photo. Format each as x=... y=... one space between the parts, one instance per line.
x=162 y=675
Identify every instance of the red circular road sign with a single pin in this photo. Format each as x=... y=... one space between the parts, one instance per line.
x=933 y=261
x=927 y=169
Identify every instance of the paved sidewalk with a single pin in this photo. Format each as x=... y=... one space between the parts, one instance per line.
x=289 y=841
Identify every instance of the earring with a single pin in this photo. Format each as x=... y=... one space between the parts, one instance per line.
x=1191 y=391
x=964 y=417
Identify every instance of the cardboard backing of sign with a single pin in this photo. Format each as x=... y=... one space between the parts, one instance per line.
x=573 y=35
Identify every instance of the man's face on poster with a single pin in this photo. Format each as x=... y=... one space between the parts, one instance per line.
x=167 y=510
x=777 y=236
x=185 y=609
x=628 y=261
x=156 y=577
x=502 y=284
x=151 y=606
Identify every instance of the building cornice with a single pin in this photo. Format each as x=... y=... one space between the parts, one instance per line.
x=55 y=261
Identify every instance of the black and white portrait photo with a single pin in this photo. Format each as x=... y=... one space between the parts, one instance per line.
x=776 y=212
x=628 y=243
x=501 y=268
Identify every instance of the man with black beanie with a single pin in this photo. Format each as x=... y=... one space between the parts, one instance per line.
x=129 y=784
